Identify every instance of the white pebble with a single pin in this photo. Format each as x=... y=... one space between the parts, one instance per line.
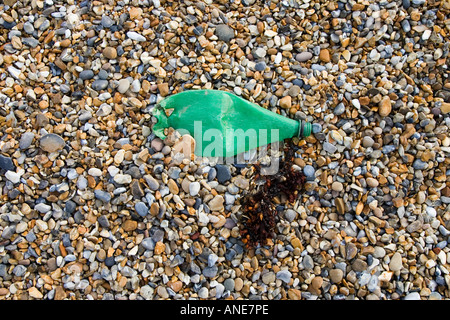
x=12 y=176
x=194 y=188
x=95 y=172
x=122 y=178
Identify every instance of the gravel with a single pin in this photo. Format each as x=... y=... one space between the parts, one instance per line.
x=94 y=206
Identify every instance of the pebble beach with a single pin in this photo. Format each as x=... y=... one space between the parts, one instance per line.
x=94 y=206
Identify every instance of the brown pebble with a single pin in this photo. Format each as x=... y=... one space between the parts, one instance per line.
x=159 y=247
x=173 y=187
x=350 y=251
x=445 y=107
x=110 y=53
x=163 y=89
x=135 y=13
x=371 y=182
x=398 y=202
x=324 y=55
x=41 y=120
x=154 y=209
x=340 y=205
x=320 y=161
x=35 y=293
x=238 y=284
x=296 y=243
x=129 y=225
x=51 y=142
x=384 y=107
x=359 y=265
x=176 y=286
x=294 y=294
x=286 y=102
x=185 y=145
x=336 y=275
x=317 y=282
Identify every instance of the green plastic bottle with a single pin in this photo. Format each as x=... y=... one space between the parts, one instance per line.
x=223 y=124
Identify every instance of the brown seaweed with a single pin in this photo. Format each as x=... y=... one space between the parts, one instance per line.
x=259 y=214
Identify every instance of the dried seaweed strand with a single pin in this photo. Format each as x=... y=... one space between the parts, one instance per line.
x=259 y=214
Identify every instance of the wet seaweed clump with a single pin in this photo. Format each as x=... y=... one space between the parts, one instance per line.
x=259 y=214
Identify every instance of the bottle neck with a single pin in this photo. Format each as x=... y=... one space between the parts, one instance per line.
x=304 y=129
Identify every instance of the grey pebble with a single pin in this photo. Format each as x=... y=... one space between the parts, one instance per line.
x=224 y=32
x=82 y=183
x=26 y=140
x=412 y=296
x=70 y=258
x=31 y=42
x=212 y=259
x=102 y=195
x=107 y=22
x=141 y=209
x=405 y=25
x=31 y=237
x=148 y=243
x=308 y=262
x=328 y=147
x=8 y=232
x=372 y=285
x=290 y=215
x=210 y=272
x=284 y=275
x=152 y=183
x=223 y=173
x=340 y=109
x=318 y=67
x=259 y=53
x=309 y=171
x=260 y=66
x=158 y=235
x=86 y=74
x=203 y=293
x=419 y=164
x=229 y=284
x=367 y=142
x=103 y=74
x=84 y=116
x=19 y=270
x=103 y=221
x=444 y=231
x=303 y=56
x=135 y=36
x=42 y=207
x=219 y=290
x=174 y=172
x=230 y=254
x=72 y=174
x=316 y=128
x=6 y=163
x=99 y=85
x=3 y=272
x=212 y=174
x=28 y=27
x=70 y=206
x=176 y=261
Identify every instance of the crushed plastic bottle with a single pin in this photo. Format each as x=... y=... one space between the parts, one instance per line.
x=223 y=124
